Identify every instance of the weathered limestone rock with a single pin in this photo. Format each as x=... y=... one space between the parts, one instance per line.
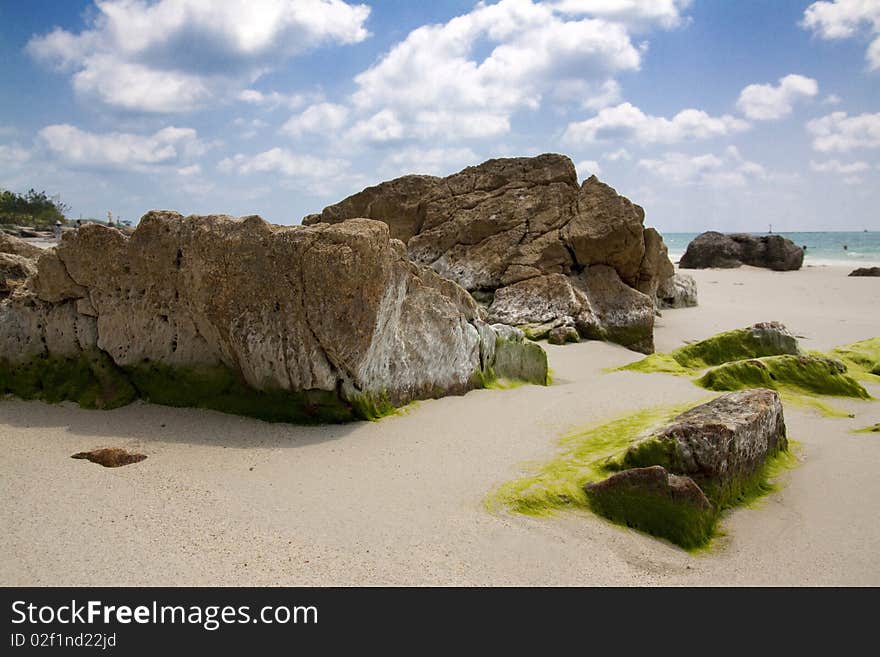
x=510 y=222
x=712 y=453
x=617 y=313
x=865 y=271
x=14 y=270
x=712 y=249
x=679 y=291
x=16 y=246
x=720 y=444
x=293 y=323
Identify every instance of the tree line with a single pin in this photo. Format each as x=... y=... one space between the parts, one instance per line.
x=31 y=209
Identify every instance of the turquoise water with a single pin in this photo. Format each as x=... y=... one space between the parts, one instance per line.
x=822 y=247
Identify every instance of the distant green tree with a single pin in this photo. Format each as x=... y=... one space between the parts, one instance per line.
x=31 y=209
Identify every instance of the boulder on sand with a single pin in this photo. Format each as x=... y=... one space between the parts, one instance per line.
x=510 y=221
x=680 y=291
x=865 y=271
x=717 y=450
x=286 y=323
x=726 y=251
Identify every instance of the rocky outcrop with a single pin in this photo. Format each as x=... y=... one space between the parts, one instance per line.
x=713 y=249
x=509 y=222
x=288 y=323
x=679 y=291
x=14 y=270
x=16 y=246
x=712 y=453
x=865 y=271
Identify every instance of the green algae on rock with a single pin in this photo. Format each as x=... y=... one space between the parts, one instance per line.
x=862 y=357
x=658 y=503
x=874 y=428
x=763 y=339
x=666 y=507
x=90 y=378
x=811 y=374
x=298 y=324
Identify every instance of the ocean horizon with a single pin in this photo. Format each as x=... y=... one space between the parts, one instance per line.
x=856 y=248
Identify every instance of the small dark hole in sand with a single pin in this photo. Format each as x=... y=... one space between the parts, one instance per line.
x=110 y=457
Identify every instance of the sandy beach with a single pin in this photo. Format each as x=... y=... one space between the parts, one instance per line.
x=226 y=500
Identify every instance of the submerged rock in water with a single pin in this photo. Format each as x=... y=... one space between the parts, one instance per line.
x=324 y=323
x=712 y=453
x=525 y=222
x=725 y=251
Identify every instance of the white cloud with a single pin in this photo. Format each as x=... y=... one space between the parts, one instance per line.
x=765 y=102
x=725 y=171
x=176 y=55
x=840 y=132
x=636 y=13
x=835 y=166
x=382 y=126
x=587 y=168
x=192 y=170
x=273 y=99
x=619 y=154
x=844 y=19
x=121 y=150
x=434 y=82
x=832 y=99
x=322 y=118
x=629 y=122
x=250 y=127
x=433 y=161
x=11 y=154
x=285 y=163
x=608 y=94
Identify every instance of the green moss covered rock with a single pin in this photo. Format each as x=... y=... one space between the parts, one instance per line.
x=811 y=374
x=720 y=449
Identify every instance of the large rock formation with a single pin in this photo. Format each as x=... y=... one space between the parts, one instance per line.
x=675 y=482
x=712 y=249
x=581 y=252
x=288 y=323
x=16 y=263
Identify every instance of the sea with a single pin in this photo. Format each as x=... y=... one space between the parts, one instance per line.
x=859 y=249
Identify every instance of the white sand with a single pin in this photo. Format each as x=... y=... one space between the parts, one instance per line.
x=224 y=500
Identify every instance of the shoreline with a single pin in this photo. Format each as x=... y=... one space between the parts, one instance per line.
x=226 y=500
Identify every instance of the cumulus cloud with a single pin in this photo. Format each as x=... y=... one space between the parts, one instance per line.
x=727 y=170
x=587 y=168
x=321 y=118
x=844 y=19
x=436 y=82
x=121 y=150
x=619 y=154
x=836 y=166
x=840 y=132
x=635 y=13
x=629 y=122
x=176 y=55
x=273 y=99
x=433 y=161
x=11 y=154
x=285 y=163
x=766 y=102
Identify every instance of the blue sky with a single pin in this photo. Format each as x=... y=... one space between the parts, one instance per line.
x=709 y=113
